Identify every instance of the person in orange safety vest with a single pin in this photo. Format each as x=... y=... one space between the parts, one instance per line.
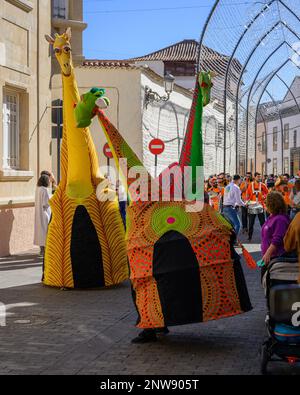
x=214 y=192
x=244 y=187
x=256 y=195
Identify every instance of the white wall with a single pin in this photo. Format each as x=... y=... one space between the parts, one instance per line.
x=157 y=66
x=213 y=153
x=173 y=120
x=167 y=121
x=294 y=124
x=122 y=87
x=187 y=82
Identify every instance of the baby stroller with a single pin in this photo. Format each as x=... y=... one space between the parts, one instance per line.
x=283 y=319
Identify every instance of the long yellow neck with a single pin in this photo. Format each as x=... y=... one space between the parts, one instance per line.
x=79 y=168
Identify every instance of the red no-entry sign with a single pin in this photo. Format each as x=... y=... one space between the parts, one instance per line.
x=107 y=151
x=157 y=147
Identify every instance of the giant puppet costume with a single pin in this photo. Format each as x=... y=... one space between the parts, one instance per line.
x=86 y=240
x=183 y=265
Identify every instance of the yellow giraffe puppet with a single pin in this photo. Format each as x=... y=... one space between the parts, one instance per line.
x=86 y=239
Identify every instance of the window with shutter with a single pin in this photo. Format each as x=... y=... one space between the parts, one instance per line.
x=286 y=165
x=286 y=140
x=275 y=139
x=11 y=132
x=60 y=9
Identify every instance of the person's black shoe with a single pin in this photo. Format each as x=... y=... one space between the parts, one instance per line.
x=162 y=331
x=146 y=336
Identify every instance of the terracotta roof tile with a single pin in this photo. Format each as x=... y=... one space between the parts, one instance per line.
x=186 y=50
x=108 y=64
x=183 y=51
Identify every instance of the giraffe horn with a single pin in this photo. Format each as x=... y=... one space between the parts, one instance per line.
x=68 y=33
x=49 y=39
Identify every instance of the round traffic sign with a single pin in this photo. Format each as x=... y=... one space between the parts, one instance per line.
x=157 y=147
x=107 y=151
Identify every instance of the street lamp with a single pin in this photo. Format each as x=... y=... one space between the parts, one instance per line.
x=151 y=96
x=169 y=83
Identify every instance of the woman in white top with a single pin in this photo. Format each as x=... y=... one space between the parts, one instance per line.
x=42 y=212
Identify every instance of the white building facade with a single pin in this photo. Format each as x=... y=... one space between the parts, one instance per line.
x=181 y=60
x=282 y=131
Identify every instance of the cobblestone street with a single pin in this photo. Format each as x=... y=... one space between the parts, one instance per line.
x=141 y=143
x=50 y=331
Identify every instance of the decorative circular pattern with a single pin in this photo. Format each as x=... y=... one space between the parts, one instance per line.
x=171 y=220
x=165 y=219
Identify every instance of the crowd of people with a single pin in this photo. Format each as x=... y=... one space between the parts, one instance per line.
x=248 y=194
x=275 y=200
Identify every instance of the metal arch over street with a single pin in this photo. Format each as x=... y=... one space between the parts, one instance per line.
x=255 y=79
x=240 y=54
x=265 y=89
x=273 y=74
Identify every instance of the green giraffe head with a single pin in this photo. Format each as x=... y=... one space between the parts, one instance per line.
x=88 y=106
x=205 y=82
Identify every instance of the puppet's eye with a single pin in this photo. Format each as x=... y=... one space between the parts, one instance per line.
x=57 y=50
x=67 y=49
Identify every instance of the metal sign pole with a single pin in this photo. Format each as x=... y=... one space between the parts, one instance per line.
x=108 y=166
x=156 y=147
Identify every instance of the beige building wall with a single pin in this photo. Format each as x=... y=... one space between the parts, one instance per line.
x=74 y=20
x=123 y=88
x=25 y=67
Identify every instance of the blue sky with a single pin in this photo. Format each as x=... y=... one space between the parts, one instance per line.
x=115 y=31
x=122 y=29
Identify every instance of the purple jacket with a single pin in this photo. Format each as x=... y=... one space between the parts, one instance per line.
x=273 y=232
